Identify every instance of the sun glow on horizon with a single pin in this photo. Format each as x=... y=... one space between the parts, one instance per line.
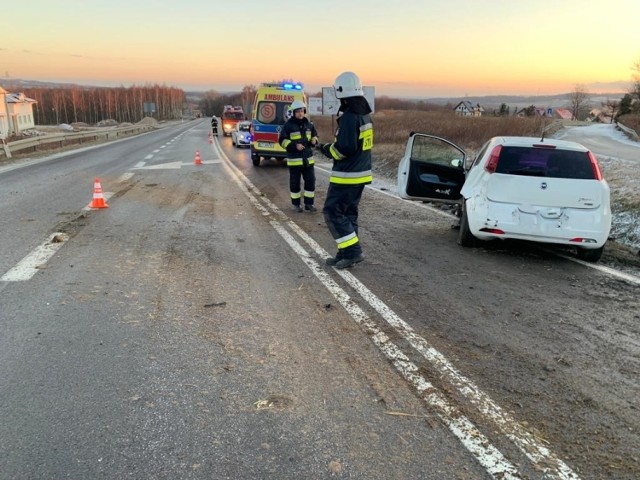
x=423 y=49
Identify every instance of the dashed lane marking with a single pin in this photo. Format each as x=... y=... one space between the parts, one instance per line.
x=39 y=256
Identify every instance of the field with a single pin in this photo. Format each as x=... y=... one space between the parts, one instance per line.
x=392 y=128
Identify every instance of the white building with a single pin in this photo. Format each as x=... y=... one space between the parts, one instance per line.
x=16 y=113
x=4 y=116
x=467 y=109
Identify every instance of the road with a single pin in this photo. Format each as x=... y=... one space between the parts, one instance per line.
x=191 y=330
x=603 y=139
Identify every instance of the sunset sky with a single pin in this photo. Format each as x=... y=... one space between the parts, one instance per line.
x=423 y=48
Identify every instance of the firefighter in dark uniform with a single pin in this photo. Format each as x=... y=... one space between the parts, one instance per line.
x=214 y=125
x=351 y=155
x=298 y=137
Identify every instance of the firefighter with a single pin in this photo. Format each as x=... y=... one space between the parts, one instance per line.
x=214 y=125
x=351 y=155
x=298 y=136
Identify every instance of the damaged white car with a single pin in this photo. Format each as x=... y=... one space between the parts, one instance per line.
x=525 y=188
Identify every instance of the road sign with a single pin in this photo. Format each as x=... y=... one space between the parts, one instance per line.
x=330 y=104
x=549 y=112
x=315 y=106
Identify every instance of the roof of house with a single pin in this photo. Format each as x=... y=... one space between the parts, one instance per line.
x=470 y=106
x=564 y=113
x=19 y=98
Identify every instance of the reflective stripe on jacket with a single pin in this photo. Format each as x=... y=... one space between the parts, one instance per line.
x=296 y=131
x=351 y=151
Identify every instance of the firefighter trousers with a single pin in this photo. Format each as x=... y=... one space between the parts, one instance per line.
x=341 y=216
x=308 y=174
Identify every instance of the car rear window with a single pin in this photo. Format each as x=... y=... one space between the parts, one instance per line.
x=545 y=162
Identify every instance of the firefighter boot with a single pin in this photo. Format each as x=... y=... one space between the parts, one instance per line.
x=348 y=262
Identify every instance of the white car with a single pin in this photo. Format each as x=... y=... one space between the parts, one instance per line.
x=526 y=188
x=241 y=135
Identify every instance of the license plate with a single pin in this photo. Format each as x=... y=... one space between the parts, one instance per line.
x=265 y=145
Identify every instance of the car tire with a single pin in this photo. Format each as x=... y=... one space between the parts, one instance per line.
x=465 y=237
x=590 y=254
x=255 y=159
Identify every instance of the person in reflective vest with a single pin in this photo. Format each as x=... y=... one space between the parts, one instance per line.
x=351 y=155
x=214 y=125
x=298 y=137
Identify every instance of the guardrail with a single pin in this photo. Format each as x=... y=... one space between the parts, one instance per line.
x=627 y=130
x=63 y=139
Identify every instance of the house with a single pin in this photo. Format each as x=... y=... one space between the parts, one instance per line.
x=16 y=113
x=4 y=116
x=467 y=109
x=563 y=114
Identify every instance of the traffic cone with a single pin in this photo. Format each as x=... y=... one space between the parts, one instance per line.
x=98 y=197
x=197 y=160
x=210 y=137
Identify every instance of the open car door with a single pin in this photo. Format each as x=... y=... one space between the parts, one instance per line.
x=432 y=169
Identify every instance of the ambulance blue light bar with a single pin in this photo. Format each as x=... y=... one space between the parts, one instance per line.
x=292 y=86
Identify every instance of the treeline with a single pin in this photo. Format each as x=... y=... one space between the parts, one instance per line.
x=213 y=102
x=93 y=104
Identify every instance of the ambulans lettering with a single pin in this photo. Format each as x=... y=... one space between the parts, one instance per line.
x=278 y=97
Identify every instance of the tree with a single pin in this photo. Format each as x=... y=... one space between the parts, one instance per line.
x=579 y=99
x=625 y=105
x=504 y=110
x=530 y=111
x=611 y=108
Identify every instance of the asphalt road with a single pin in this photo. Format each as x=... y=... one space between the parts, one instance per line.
x=190 y=330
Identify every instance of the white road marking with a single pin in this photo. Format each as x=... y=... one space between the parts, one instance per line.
x=156 y=151
x=139 y=164
x=163 y=146
x=149 y=157
x=627 y=277
x=125 y=176
x=29 y=265
x=487 y=455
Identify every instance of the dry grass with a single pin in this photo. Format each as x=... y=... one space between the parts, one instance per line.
x=393 y=126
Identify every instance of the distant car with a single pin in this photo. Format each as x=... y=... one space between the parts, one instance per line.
x=526 y=188
x=241 y=134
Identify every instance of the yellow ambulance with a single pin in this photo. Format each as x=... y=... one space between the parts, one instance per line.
x=270 y=112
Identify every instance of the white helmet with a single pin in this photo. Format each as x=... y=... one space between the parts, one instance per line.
x=298 y=104
x=348 y=84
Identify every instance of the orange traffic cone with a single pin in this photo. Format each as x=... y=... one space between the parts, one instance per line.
x=98 y=197
x=197 y=160
x=210 y=137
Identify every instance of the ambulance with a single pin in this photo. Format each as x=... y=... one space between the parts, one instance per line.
x=270 y=112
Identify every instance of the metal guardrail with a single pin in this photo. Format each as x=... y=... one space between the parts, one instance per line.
x=629 y=131
x=63 y=139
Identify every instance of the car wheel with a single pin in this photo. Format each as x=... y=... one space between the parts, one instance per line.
x=465 y=237
x=255 y=159
x=590 y=254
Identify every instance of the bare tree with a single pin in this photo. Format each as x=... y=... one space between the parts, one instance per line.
x=579 y=100
x=611 y=108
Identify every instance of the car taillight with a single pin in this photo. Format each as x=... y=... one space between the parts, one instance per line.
x=492 y=164
x=594 y=165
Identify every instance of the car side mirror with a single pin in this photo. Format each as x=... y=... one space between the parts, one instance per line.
x=456 y=162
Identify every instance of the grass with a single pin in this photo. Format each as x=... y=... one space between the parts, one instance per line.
x=392 y=128
x=632 y=121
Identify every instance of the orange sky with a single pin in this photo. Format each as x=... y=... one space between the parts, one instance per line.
x=403 y=48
